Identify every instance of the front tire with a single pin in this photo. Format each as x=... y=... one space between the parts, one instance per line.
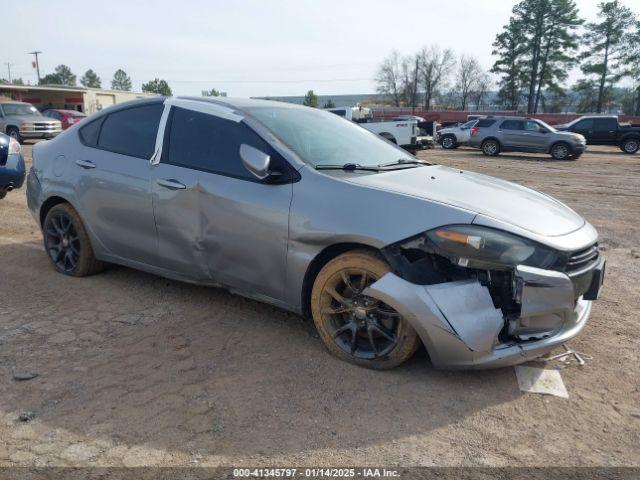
x=561 y=151
x=630 y=145
x=2 y=195
x=14 y=133
x=356 y=328
x=449 y=142
x=490 y=147
x=67 y=243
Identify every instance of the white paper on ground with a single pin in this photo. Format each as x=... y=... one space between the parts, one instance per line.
x=539 y=380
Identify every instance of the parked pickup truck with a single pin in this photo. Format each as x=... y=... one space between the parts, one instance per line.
x=605 y=130
x=403 y=133
x=22 y=120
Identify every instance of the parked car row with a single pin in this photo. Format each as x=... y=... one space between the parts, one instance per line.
x=301 y=209
x=496 y=134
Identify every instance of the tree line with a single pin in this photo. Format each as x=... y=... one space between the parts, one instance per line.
x=62 y=75
x=534 y=52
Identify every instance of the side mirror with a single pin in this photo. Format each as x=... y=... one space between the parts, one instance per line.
x=257 y=162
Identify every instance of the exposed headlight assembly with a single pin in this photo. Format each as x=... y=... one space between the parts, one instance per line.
x=484 y=248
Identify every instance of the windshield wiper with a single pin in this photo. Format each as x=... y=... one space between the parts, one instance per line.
x=404 y=161
x=349 y=167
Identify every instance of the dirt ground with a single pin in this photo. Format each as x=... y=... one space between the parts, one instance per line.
x=135 y=369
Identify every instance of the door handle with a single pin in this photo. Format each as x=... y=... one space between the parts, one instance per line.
x=171 y=184
x=85 y=164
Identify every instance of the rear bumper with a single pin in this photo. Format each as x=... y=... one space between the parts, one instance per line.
x=12 y=173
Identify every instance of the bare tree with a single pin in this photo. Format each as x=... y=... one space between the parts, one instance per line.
x=389 y=77
x=468 y=77
x=410 y=74
x=435 y=68
x=483 y=85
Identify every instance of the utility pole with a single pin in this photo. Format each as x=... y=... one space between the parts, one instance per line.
x=9 y=69
x=36 y=52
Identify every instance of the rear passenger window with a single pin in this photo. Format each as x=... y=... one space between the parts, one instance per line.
x=89 y=133
x=205 y=142
x=132 y=131
x=584 y=124
x=512 y=125
x=485 y=122
x=602 y=124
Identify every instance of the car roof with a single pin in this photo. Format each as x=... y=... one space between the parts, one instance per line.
x=242 y=103
x=13 y=102
x=64 y=110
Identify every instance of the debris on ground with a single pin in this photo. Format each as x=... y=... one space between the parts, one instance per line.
x=21 y=376
x=27 y=416
x=566 y=357
x=539 y=380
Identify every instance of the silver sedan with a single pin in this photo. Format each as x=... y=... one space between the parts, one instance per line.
x=304 y=210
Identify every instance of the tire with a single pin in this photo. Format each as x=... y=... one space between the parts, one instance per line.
x=490 y=147
x=14 y=133
x=449 y=142
x=560 y=151
x=2 y=195
x=67 y=243
x=356 y=328
x=630 y=145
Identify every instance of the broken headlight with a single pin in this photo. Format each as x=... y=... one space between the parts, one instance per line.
x=484 y=248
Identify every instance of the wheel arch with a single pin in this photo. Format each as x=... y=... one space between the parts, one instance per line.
x=10 y=126
x=491 y=138
x=320 y=260
x=389 y=137
x=48 y=204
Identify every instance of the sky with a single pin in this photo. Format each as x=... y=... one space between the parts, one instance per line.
x=247 y=47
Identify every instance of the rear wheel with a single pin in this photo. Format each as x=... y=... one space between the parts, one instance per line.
x=14 y=133
x=449 y=142
x=67 y=243
x=354 y=327
x=561 y=151
x=490 y=147
x=2 y=195
x=630 y=145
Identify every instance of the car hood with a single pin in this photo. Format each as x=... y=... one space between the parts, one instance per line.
x=505 y=201
x=32 y=118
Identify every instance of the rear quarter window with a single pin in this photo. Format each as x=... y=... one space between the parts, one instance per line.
x=131 y=131
x=485 y=122
x=89 y=133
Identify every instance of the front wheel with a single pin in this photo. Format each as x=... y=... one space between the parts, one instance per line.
x=630 y=145
x=67 y=243
x=2 y=195
x=560 y=151
x=353 y=326
x=14 y=133
x=449 y=142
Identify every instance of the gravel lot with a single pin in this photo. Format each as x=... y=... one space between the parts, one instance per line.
x=135 y=369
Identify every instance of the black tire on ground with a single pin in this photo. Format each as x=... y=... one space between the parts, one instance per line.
x=2 y=195
x=67 y=243
x=356 y=328
x=490 y=147
x=561 y=151
x=630 y=145
x=449 y=142
x=15 y=133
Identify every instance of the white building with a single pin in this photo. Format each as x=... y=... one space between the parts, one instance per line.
x=83 y=99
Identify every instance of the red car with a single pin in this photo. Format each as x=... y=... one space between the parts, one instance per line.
x=66 y=117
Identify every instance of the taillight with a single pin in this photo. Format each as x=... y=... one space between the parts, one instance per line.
x=474 y=130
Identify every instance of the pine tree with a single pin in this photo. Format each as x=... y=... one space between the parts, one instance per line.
x=121 y=81
x=62 y=76
x=509 y=48
x=310 y=99
x=91 y=79
x=605 y=47
x=161 y=87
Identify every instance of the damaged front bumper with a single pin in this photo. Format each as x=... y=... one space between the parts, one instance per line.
x=461 y=328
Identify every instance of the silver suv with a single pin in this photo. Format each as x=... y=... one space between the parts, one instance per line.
x=519 y=134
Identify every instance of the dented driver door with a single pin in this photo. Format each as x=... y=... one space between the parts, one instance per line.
x=216 y=222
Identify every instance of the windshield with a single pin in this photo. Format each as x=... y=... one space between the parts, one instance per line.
x=547 y=126
x=19 y=109
x=322 y=138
